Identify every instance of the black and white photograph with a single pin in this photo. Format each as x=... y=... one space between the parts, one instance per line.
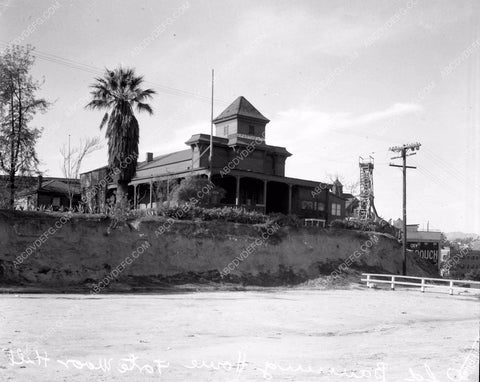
x=233 y=191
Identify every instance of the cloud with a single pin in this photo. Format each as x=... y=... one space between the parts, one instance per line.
x=311 y=136
x=341 y=120
x=396 y=110
x=327 y=31
x=340 y=28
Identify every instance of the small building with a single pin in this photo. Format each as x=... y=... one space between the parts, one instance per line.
x=251 y=172
x=22 y=183
x=444 y=254
x=426 y=244
x=94 y=188
x=463 y=262
x=352 y=206
x=49 y=192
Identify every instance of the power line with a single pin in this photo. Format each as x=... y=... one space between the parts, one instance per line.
x=76 y=65
x=450 y=171
x=439 y=181
x=445 y=166
x=438 y=178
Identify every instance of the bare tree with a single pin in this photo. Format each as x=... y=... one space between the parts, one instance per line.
x=72 y=159
x=351 y=187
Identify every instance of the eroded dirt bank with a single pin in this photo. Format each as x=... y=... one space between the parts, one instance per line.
x=81 y=250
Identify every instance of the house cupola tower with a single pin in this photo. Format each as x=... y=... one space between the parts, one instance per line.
x=241 y=121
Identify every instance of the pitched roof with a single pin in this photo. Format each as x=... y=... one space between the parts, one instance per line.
x=162 y=160
x=59 y=186
x=240 y=108
x=54 y=186
x=351 y=202
x=423 y=235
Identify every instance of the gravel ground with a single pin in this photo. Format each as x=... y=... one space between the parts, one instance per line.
x=277 y=335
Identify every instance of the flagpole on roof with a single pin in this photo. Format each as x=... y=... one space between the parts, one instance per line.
x=210 y=157
x=69 y=168
x=68 y=173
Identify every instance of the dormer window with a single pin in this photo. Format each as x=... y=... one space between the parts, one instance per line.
x=251 y=130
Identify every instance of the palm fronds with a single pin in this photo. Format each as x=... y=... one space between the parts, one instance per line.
x=119 y=92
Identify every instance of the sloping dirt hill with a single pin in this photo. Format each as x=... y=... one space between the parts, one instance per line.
x=152 y=251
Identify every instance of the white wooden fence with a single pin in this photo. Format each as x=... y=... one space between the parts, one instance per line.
x=315 y=222
x=422 y=282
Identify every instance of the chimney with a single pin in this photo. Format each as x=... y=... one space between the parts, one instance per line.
x=40 y=181
x=149 y=157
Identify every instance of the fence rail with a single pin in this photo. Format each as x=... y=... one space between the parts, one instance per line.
x=314 y=222
x=422 y=282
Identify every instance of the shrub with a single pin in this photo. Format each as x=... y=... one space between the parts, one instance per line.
x=235 y=215
x=195 y=188
x=370 y=225
x=284 y=220
x=473 y=275
x=337 y=223
x=353 y=224
x=119 y=212
x=229 y=214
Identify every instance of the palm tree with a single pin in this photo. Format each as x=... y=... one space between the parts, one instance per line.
x=119 y=92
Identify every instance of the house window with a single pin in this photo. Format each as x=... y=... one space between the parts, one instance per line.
x=251 y=130
x=336 y=209
x=56 y=202
x=225 y=130
x=307 y=205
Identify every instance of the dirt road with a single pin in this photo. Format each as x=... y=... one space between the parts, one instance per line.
x=277 y=335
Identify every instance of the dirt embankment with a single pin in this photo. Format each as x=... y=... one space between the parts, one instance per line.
x=44 y=250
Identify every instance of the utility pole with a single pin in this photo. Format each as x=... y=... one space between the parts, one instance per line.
x=68 y=174
x=404 y=153
x=210 y=157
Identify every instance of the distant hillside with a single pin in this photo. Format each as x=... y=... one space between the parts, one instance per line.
x=461 y=235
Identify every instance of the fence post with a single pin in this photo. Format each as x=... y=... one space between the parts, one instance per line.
x=368 y=281
x=451 y=287
x=422 y=288
x=392 y=286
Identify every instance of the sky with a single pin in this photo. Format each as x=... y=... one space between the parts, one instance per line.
x=339 y=80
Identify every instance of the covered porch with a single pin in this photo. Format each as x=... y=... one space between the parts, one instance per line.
x=252 y=191
x=256 y=192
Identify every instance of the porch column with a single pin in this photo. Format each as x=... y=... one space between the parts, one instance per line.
x=328 y=208
x=265 y=195
x=289 y=199
x=151 y=184
x=237 y=191
x=134 y=196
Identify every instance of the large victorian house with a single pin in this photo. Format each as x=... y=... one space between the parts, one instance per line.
x=251 y=172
